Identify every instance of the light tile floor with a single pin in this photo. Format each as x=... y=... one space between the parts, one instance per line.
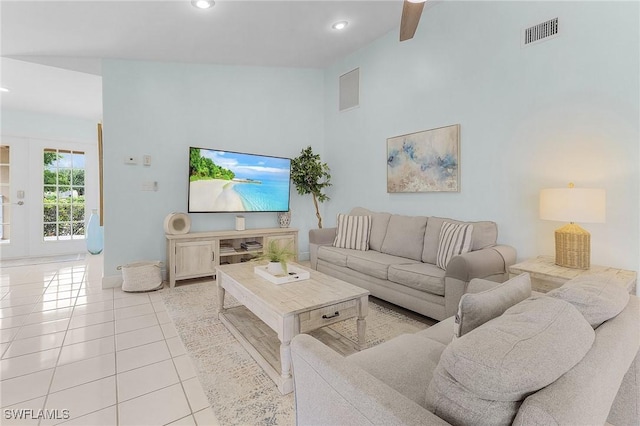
x=87 y=356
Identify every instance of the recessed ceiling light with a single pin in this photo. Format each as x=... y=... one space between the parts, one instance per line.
x=341 y=25
x=4 y=89
x=202 y=4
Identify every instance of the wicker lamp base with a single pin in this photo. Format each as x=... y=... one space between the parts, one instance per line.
x=573 y=247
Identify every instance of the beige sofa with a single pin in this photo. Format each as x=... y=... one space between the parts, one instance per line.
x=543 y=361
x=400 y=265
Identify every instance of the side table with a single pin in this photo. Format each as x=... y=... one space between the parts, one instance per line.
x=546 y=275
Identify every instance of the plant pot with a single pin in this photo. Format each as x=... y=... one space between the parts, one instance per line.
x=275 y=268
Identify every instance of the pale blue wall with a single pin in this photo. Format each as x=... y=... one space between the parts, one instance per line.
x=161 y=109
x=563 y=110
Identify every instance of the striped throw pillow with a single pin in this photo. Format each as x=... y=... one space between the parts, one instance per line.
x=353 y=232
x=454 y=239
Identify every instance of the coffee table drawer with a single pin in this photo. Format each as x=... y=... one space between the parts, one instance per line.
x=322 y=317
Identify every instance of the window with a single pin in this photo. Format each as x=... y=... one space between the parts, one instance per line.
x=63 y=195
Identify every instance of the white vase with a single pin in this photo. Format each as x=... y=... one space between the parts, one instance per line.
x=284 y=219
x=275 y=268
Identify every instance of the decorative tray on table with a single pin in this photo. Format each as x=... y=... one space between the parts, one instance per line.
x=295 y=274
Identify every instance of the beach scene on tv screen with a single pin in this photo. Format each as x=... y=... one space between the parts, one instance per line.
x=235 y=182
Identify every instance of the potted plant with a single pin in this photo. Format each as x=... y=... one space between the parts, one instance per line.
x=278 y=255
x=311 y=176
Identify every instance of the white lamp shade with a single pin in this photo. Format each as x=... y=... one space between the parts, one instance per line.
x=585 y=205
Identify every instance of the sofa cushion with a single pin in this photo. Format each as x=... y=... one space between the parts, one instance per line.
x=379 y=223
x=455 y=239
x=405 y=236
x=334 y=255
x=474 y=309
x=420 y=276
x=598 y=297
x=485 y=234
x=500 y=363
x=373 y=263
x=352 y=232
x=449 y=400
x=419 y=358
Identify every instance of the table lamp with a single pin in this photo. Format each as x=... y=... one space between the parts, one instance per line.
x=587 y=205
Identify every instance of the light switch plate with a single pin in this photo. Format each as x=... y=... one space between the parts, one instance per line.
x=149 y=186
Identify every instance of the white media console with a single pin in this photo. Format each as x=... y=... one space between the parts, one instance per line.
x=197 y=254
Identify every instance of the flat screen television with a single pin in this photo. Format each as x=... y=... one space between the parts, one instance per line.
x=226 y=181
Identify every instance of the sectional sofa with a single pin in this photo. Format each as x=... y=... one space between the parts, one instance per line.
x=399 y=264
x=569 y=357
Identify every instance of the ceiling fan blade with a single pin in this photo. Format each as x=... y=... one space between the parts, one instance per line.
x=411 y=13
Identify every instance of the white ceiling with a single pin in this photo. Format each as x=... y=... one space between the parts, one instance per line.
x=76 y=35
x=50 y=90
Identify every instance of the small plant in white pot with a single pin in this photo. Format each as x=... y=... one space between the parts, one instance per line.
x=278 y=256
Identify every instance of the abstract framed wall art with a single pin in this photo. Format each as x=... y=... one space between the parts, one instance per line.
x=427 y=161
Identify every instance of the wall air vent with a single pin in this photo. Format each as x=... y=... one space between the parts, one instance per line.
x=349 y=88
x=541 y=32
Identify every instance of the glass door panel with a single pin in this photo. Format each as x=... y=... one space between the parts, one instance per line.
x=63 y=195
x=5 y=193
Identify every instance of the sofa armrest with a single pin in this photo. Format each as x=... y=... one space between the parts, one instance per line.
x=329 y=390
x=481 y=263
x=317 y=238
x=491 y=263
x=322 y=236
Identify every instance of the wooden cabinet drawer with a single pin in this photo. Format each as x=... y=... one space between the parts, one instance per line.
x=327 y=315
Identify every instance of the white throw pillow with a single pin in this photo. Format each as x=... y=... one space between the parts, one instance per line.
x=455 y=239
x=353 y=232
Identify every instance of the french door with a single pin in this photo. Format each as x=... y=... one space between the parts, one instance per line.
x=47 y=187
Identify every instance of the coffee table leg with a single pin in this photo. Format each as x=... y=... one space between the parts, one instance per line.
x=285 y=359
x=363 y=310
x=221 y=293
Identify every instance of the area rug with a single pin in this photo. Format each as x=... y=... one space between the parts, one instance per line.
x=239 y=392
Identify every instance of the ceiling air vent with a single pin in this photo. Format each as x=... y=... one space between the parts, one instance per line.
x=541 y=32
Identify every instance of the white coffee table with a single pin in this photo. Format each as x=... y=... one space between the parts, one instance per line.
x=288 y=309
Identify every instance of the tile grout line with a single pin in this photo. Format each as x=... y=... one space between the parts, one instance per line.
x=115 y=361
x=75 y=298
x=55 y=366
x=20 y=328
x=30 y=312
x=192 y=412
x=209 y=407
x=91 y=381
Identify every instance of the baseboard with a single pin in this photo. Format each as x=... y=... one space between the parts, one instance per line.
x=111 y=281
x=303 y=255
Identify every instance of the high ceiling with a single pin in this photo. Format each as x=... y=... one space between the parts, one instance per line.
x=272 y=33
x=76 y=35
